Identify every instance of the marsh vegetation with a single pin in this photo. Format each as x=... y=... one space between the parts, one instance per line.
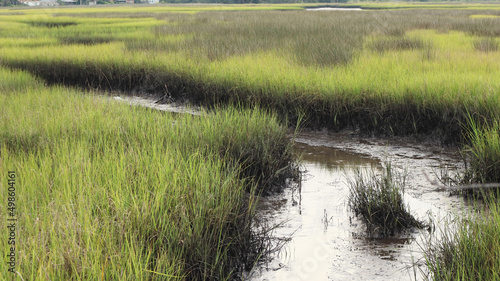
x=118 y=192
x=378 y=201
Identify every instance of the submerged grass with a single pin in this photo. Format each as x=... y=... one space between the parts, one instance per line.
x=378 y=200
x=116 y=192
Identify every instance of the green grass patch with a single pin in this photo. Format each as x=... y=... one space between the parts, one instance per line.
x=483 y=152
x=378 y=201
x=113 y=191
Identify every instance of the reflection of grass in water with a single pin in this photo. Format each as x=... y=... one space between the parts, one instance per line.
x=378 y=200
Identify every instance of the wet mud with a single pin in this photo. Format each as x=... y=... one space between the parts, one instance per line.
x=153 y=104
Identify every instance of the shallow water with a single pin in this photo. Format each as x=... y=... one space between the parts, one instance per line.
x=327 y=242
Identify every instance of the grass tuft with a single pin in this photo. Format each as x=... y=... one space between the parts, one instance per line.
x=469 y=250
x=378 y=200
x=481 y=154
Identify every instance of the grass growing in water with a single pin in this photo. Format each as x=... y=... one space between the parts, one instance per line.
x=481 y=154
x=378 y=200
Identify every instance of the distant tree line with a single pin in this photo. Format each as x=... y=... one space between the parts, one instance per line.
x=9 y=3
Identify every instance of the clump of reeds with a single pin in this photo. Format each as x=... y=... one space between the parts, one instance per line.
x=469 y=250
x=481 y=154
x=489 y=44
x=378 y=200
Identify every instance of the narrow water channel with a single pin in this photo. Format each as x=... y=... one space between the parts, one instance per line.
x=326 y=241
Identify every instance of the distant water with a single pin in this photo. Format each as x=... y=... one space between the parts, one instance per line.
x=333 y=9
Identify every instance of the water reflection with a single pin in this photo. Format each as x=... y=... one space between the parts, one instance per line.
x=332 y=160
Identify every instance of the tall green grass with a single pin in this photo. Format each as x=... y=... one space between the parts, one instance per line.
x=319 y=63
x=468 y=251
x=164 y=197
x=378 y=201
x=112 y=191
x=482 y=153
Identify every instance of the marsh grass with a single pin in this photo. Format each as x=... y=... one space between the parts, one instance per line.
x=321 y=63
x=310 y=38
x=51 y=24
x=396 y=43
x=486 y=44
x=378 y=201
x=481 y=155
x=166 y=197
x=112 y=191
x=487 y=27
x=469 y=250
